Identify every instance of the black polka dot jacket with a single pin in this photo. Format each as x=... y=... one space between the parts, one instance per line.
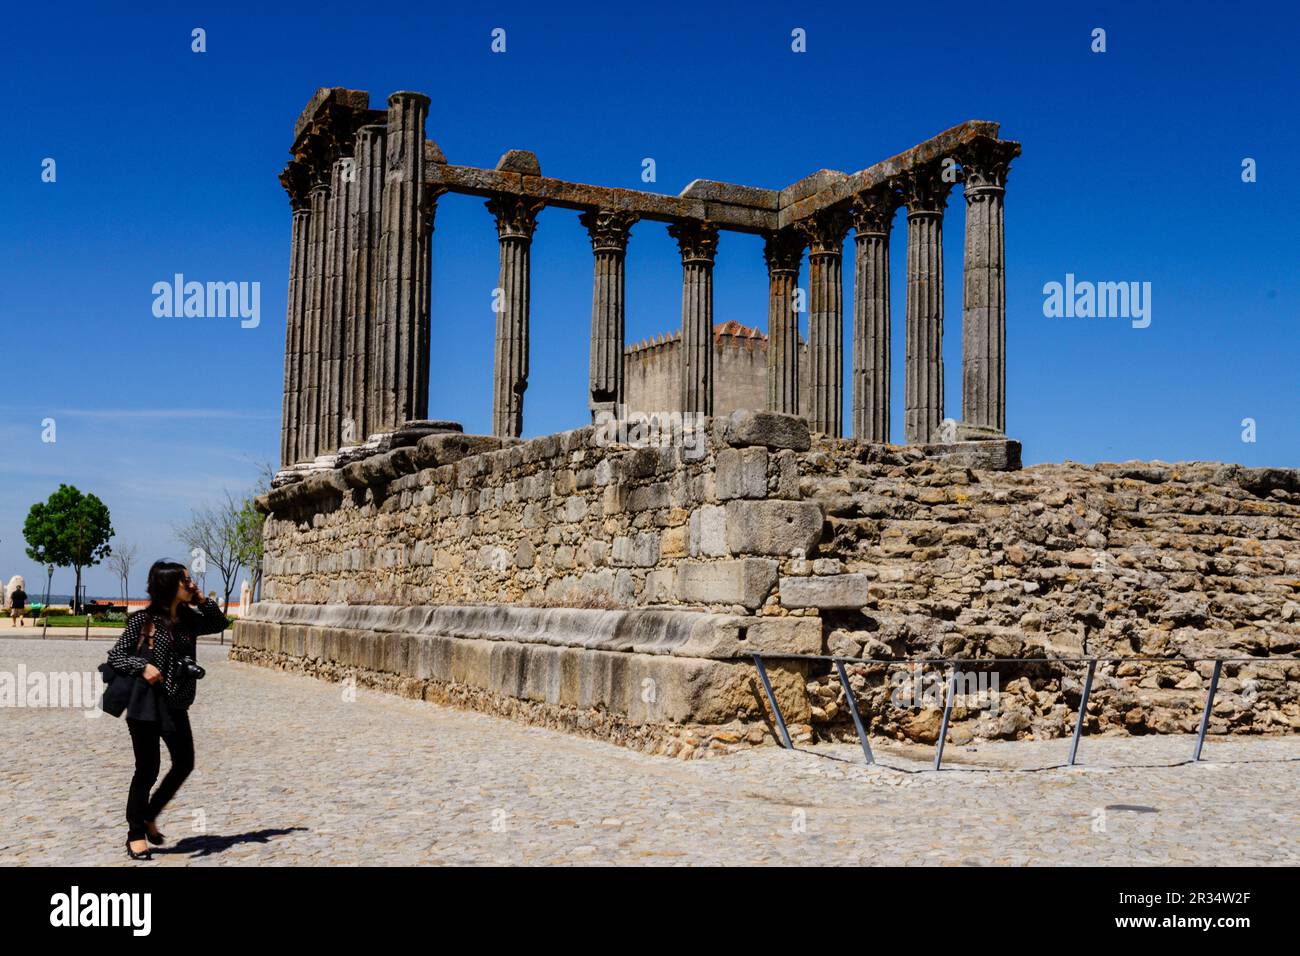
x=131 y=652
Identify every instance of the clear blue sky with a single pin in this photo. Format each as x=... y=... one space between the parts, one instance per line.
x=167 y=162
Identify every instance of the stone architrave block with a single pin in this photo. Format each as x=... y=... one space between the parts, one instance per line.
x=829 y=592
x=775 y=527
x=741 y=473
x=770 y=429
x=747 y=582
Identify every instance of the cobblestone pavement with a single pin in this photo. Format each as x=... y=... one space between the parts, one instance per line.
x=292 y=773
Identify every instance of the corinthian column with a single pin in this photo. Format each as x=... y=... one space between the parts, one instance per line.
x=925 y=193
x=364 y=261
x=609 y=233
x=825 y=234
x=698 y=242
x=334 y=313
x=516 y=221
x=783 y=252
x=309 y=404
x=405 y=318
x=873 y=213
x=423 y=282
x=295 y=183
x=985 y=163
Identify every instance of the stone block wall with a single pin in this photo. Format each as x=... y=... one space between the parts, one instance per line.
x=563 y=520
x=791 y=547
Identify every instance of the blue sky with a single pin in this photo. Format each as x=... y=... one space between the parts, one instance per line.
x=167 y=162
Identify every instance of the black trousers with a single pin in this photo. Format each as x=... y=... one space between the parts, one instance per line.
x=145 y=734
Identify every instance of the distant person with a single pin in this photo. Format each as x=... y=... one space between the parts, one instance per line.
x=157 y=650
x=16 y=599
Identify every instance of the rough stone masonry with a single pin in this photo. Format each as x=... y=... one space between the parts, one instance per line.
x=616 y=583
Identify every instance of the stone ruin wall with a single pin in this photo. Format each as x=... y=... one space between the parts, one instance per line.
x=1064 y=560
x=830 y=546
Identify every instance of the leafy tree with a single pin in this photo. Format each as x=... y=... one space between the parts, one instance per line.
x=213 y=531
x=69 y=529
x=248 y=527
x=248 y=535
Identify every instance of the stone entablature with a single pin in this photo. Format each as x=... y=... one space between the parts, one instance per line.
x=363 y=186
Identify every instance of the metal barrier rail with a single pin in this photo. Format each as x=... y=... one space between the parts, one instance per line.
x=951 y=689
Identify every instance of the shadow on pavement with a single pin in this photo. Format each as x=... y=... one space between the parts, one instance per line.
x=208 y=844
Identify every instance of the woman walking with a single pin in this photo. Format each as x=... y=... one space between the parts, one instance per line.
x=16 y=599
x=157 y=650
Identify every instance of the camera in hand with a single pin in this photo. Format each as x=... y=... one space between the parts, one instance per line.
x=190 y=668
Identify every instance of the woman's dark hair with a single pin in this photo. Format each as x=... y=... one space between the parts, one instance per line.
x=164 y=581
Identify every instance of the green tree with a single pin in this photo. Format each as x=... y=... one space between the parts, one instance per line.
x=248 y=538
x=212 y=537
x=70 y=529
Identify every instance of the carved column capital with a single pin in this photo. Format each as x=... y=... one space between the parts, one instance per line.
x=783 y=251
x=825 y=231
x=297 y=183
x=609 y=230
x=428 y=207
x=985 y=164
x=698 y=241
x=516 y=215
x=924 y=189
x=872 y=211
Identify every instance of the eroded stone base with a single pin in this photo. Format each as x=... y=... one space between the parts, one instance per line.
x=684 y=741
x=656 y=680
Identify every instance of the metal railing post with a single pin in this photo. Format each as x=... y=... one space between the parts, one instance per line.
x=1083 y=704
x=853 y=709
x=1209 y=703
x=771 y=699
x=947 y=714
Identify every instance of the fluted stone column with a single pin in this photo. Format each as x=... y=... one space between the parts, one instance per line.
x=516 y=218
x=925 y=193
x=825 y=233
x=609 y=233
x=783 y=252
x=294 y=180
x=293 y=336
x=424 y=296
x=698 y=242
x=873 y=214
x=985 y=164
x=404 y=318
x=364 y=261
x=309 y=404
x=333 y=344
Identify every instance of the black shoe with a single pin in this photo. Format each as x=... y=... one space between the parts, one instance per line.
x=146 y=855
x=158 y=840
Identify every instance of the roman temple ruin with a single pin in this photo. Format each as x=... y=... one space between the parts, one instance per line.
x=621 y=585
